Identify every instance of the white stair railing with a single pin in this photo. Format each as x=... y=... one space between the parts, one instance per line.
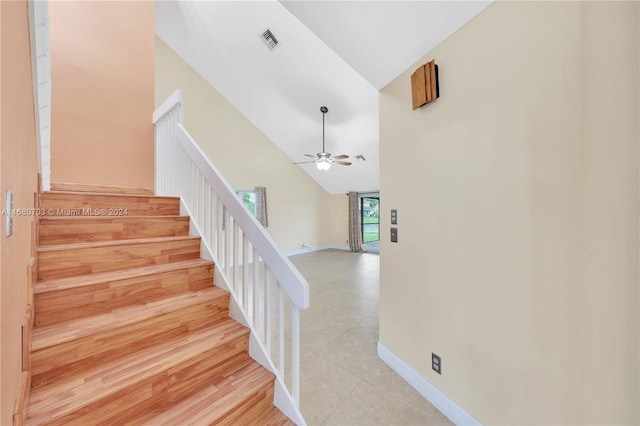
x=262 y=280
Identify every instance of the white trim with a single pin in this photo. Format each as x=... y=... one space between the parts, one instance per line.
x=284 y=402
x=167 y=105
x=442 y=402
x=319 y=248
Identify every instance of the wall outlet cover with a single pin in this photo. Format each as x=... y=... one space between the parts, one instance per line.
x=436 y=363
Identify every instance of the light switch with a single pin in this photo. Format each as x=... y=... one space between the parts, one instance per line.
x=394 y=235
x=9 y=227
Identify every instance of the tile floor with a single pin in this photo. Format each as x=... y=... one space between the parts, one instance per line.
x=343 y=382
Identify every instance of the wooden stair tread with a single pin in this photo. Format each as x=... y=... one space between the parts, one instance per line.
x=274 y=417
x=110 y=189
x=114 y=243
x=47 y=336
x=81 y=204
x=57 y=284
x=212 y=404
x=109 y=218
x=58 y=230
x=67 y=260
x=107 y=194
x=65 y=396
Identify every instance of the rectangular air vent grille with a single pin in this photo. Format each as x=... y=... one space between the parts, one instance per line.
x=270 y=40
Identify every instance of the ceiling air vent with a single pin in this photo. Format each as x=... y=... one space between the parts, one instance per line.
x=270 y=40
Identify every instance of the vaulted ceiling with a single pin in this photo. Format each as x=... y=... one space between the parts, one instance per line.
x=333 y=53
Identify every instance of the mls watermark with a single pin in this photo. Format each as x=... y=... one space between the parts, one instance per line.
x=65 y=212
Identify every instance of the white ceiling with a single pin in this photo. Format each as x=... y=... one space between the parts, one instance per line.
x=333 y=53
x=381 y=39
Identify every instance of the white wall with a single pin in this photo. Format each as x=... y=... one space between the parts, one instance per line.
x=517 y=198
x=300 y=210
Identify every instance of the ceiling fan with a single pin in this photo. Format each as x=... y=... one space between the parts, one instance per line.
x=324 y=160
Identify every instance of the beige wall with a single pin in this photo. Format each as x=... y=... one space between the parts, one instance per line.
x=300 y=210
x=18 y=173
x=102 y=92
x=611 y=116
x=518 y=253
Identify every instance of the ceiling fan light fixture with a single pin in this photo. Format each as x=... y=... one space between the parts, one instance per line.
x=324 y=160
x=323 y=164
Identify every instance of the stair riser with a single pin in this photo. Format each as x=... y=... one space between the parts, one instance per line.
x=66 y=359
x=89 y=260
x=64 y=305
x=78 y=205
x=155 y=391
x=69 y=231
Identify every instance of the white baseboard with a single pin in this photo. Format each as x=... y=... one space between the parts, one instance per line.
x=453 y=411
x=319 y=248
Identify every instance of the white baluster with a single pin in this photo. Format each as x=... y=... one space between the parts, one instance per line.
x=280 y=351
x=295 y=354
x=245 y=275
x=227 y=245
x=210 y=206
x=267 y=309
x=220 y=232
x=254 y=288
x=235 y=256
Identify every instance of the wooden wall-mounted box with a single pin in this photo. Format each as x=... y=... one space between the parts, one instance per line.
x=424 y=84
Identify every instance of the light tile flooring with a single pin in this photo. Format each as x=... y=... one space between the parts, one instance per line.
x=343 y=382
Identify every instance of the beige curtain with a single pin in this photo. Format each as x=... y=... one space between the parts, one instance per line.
x=355 y=231
x=261 y=205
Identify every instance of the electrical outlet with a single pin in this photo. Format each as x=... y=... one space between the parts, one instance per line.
x=436 y=363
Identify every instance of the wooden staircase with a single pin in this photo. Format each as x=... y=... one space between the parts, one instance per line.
x=129 y=328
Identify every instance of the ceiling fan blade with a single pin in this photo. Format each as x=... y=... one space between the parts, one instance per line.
x=340 y=157
x=342 y=163
x=312 y=156
x=305 y=162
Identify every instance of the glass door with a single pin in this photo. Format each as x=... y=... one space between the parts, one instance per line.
x=370 y=219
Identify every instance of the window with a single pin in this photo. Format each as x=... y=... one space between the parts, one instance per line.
x=370 y=218
x=249 y=200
